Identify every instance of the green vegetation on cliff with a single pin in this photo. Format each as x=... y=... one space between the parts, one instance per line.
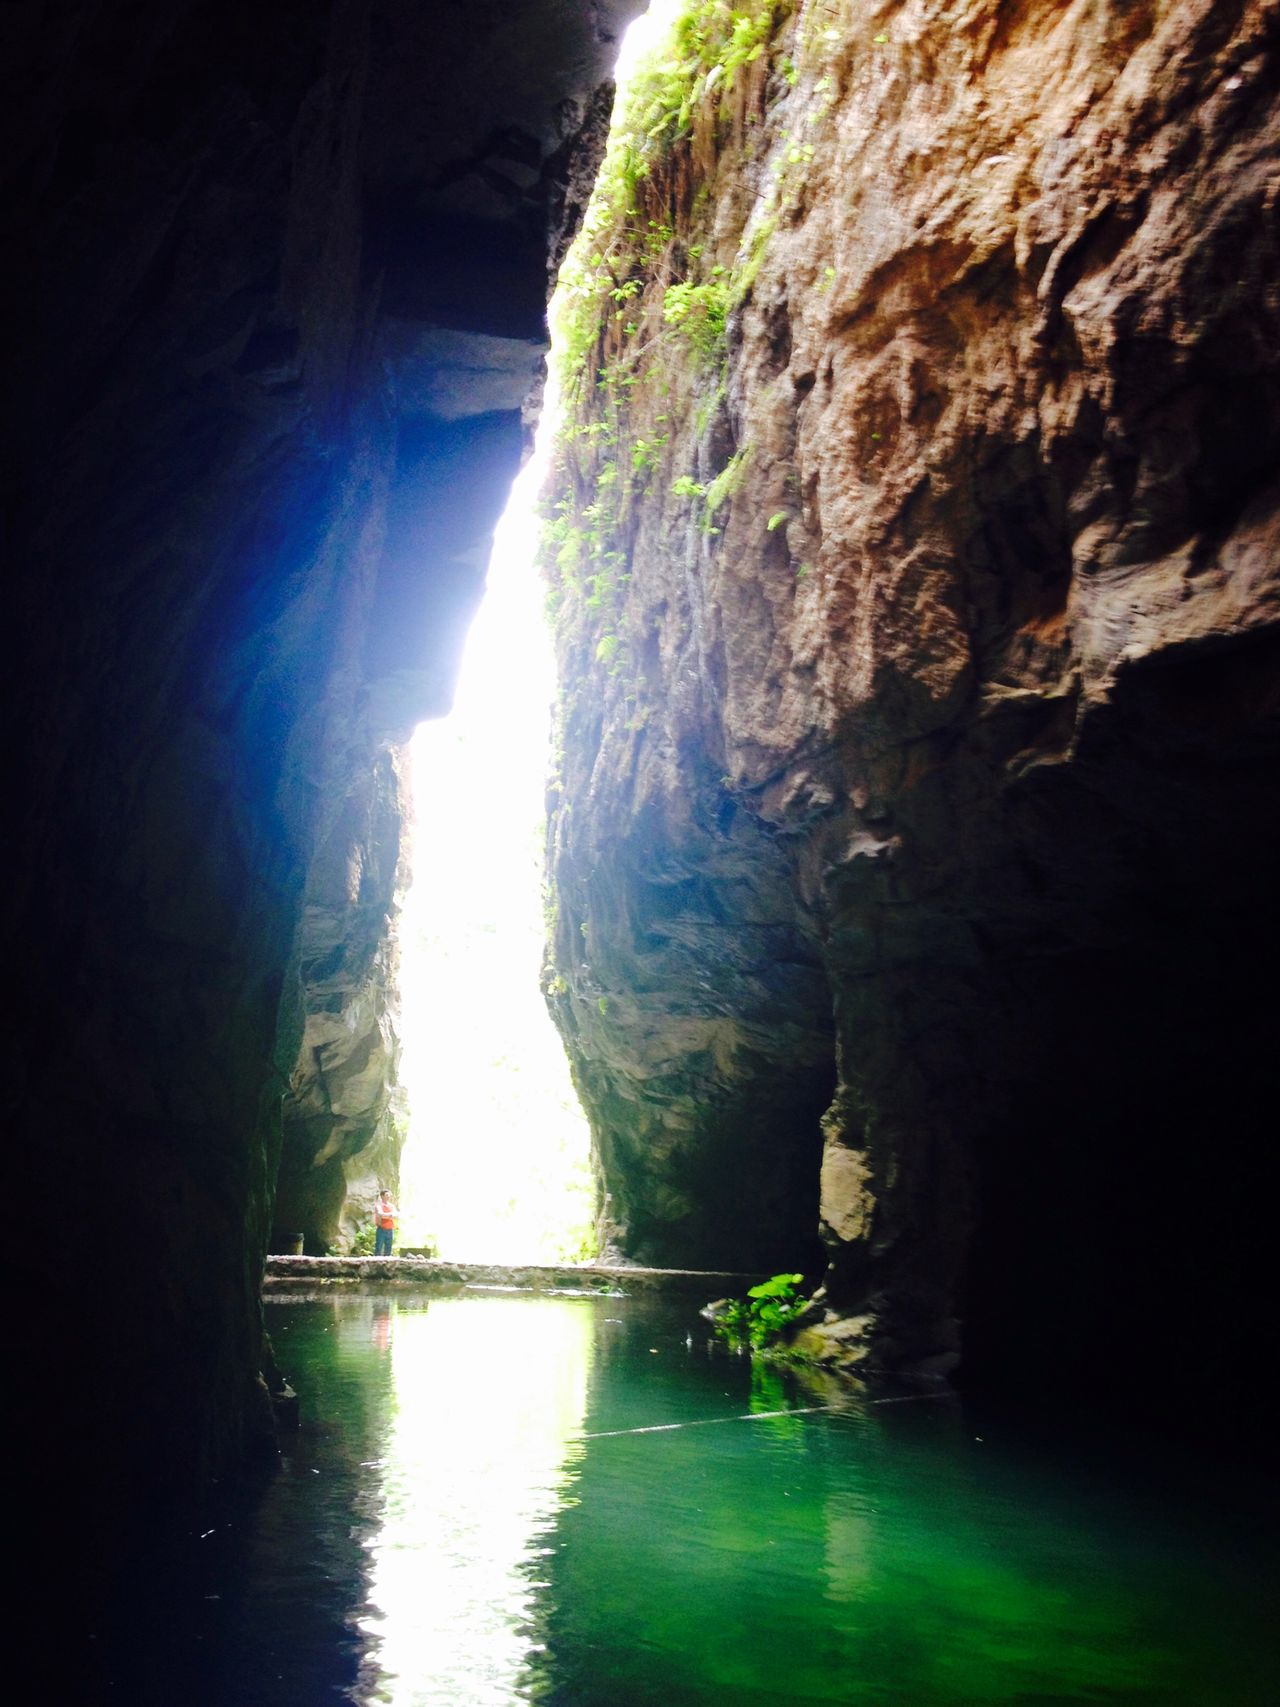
x=643 y=307
x=683 y=101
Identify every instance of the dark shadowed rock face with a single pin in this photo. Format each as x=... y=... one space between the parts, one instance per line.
x=274 y=296
x=919 y=662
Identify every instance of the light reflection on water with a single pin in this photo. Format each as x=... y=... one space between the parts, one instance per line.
x=499 y=1500
x=470 y=1488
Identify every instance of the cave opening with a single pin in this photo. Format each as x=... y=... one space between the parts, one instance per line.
x=496 y=1163
x=427 y=1059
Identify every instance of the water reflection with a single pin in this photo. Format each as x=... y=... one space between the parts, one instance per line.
x=499 y=1500
x=488 y=1397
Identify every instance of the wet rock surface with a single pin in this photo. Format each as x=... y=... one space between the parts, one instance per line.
x=938 y=761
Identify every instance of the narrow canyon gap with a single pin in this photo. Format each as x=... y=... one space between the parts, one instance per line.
x=915 y=835
x=496 y=1162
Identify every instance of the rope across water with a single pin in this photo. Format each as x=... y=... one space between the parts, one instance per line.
x=754 y=1416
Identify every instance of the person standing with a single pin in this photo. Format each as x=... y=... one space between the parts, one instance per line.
x=384 y=1224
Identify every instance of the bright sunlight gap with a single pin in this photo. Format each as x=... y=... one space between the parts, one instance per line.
x=496 y=1167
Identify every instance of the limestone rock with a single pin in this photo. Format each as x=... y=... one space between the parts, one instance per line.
x=919 y=646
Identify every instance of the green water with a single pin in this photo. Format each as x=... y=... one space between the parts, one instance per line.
x=488 y=1504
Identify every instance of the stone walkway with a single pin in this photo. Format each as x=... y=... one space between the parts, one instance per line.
x=283 y=1273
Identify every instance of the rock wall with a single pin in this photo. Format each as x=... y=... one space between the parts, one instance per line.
x=275 y=305
x=914 y=542
x=343 y=1127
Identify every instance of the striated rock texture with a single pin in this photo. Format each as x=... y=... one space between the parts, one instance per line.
x=914 y=540
x=274 y=303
